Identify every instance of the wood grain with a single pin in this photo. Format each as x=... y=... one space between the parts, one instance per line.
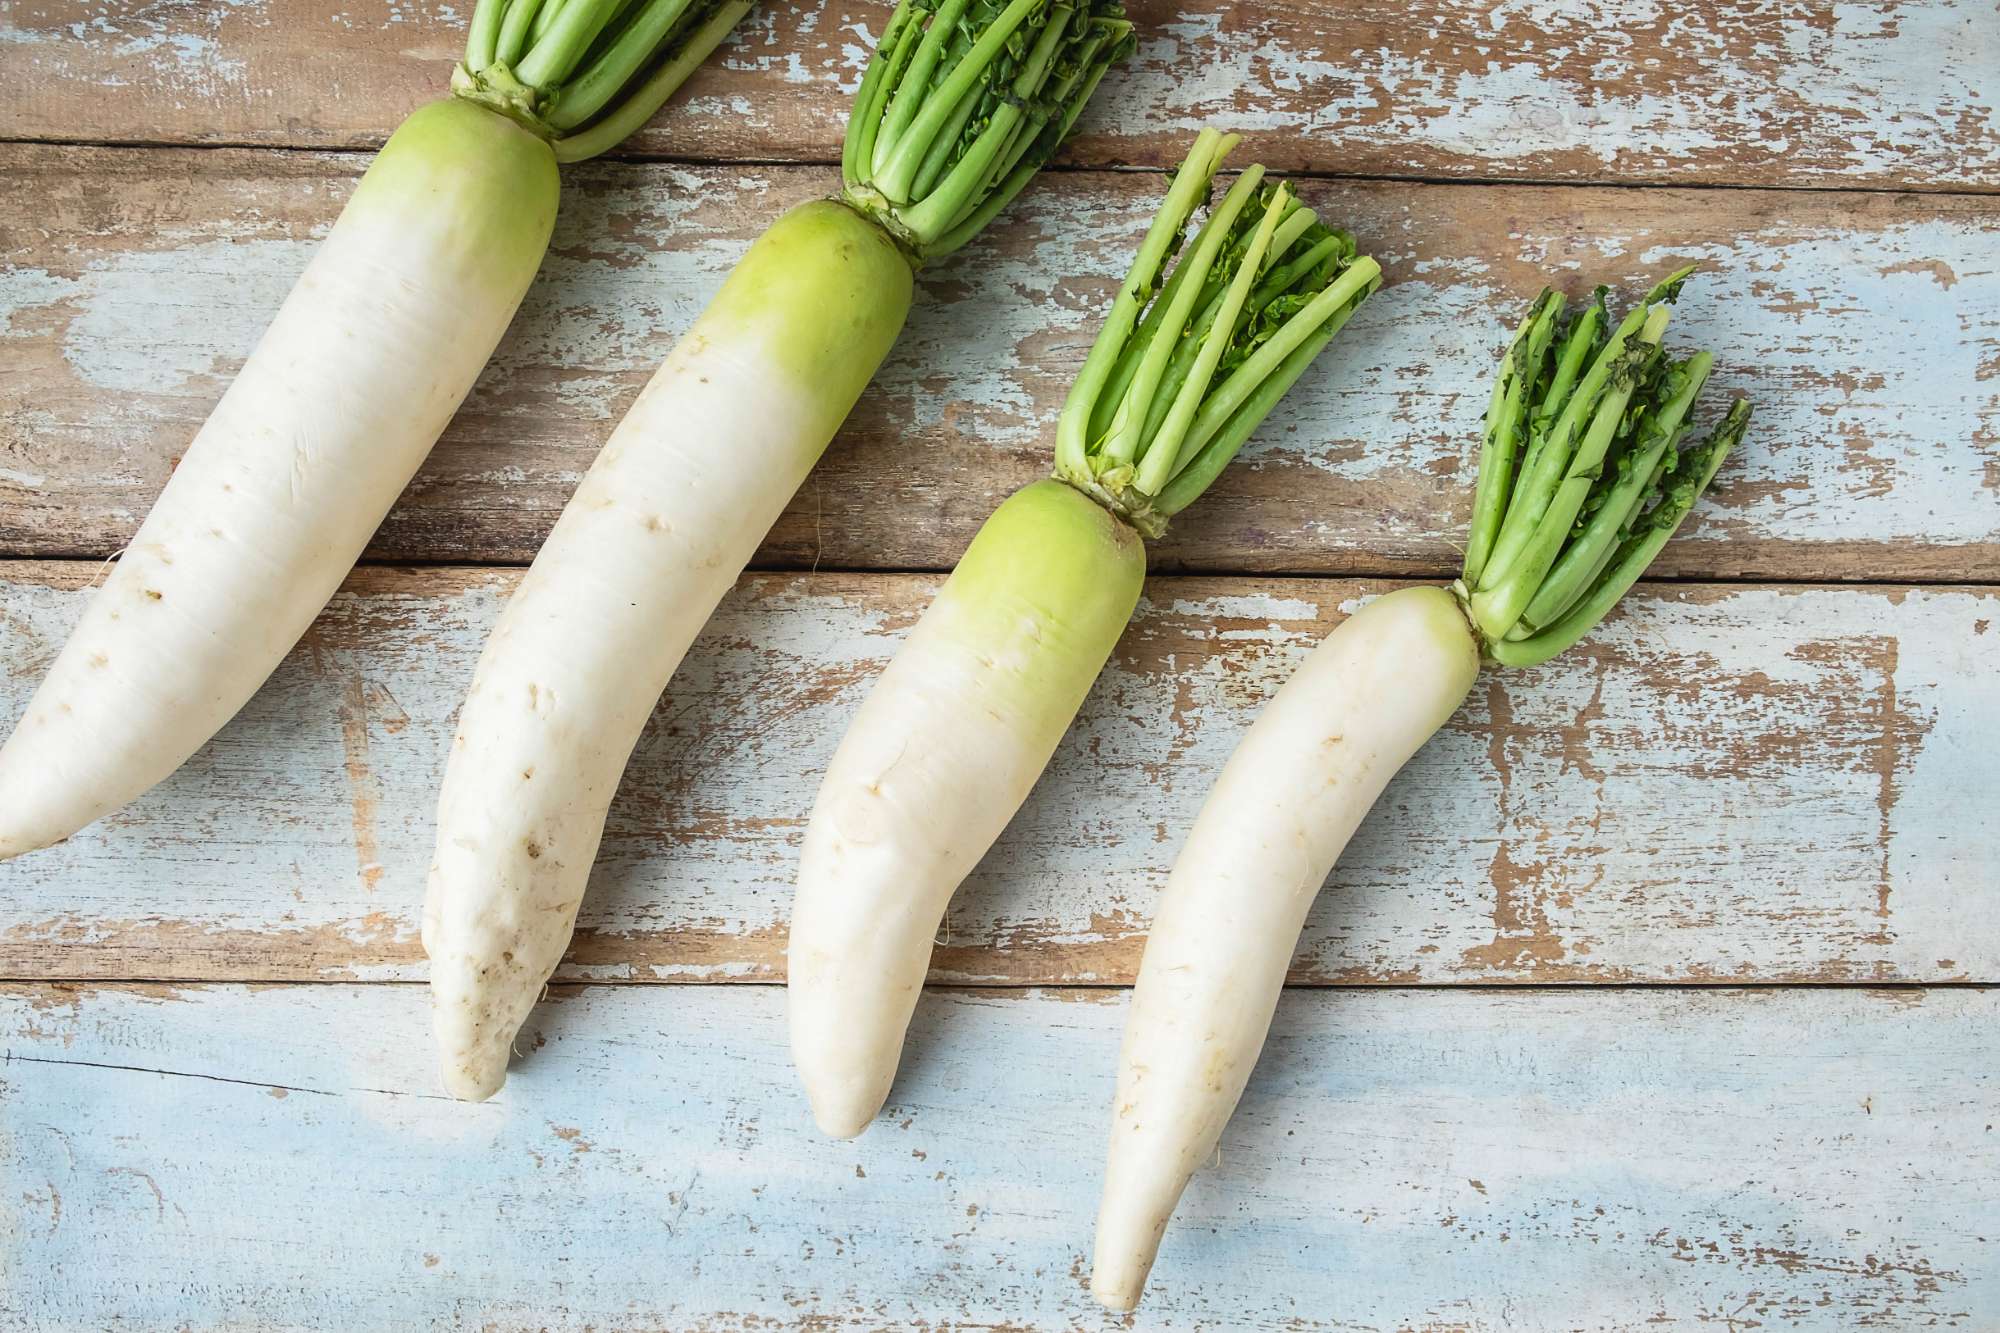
x=1896 y=94
x=1516 y=1085
x=1866 y=327
x=1724 y=784
x=211 y=1157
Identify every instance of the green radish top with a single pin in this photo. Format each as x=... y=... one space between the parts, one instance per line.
x=584 y=74
x=1583 y=474
x=963 y=102
x=1187 y=365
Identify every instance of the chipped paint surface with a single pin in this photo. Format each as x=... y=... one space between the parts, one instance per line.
x=1876 y=444
x=1635 y=89
x=1727 y=784
x=1884 y=92
x=1837 y=1169
x=1724 y=784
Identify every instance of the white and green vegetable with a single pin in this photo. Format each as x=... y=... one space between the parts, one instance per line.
x=340 y=401
x=966 y=716
x=1583 y=477
x=962 y=104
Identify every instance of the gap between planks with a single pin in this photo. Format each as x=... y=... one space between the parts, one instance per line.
x=11 y=557
x=1327 y=175
x=994 y=989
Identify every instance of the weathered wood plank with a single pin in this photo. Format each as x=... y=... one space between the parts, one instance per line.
x=1867 y=328
x=1403 y=1160
x=1719 y=91
x=1725 y=784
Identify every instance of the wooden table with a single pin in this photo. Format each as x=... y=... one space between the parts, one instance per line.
x=1658 y=992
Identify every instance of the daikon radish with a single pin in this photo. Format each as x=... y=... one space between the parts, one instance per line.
x=338 y=404
x=962 y=722
x=1556 y=542
x=960 y=107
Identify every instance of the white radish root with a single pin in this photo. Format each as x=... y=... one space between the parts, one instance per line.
x=275 y=499
x=667 y=517
x=1285 y=805
x=947 y=745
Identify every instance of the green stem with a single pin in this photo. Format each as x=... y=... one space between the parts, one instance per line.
x=1577 y=347
x=938 y=156
x=1163 y=448
x=483 y=32
x=1030 y=155
x=1498 y=604
x=1201 y=470
x=944 y=202
x=892 y=54
x=1633 y=557
x=545 y=18
x=1550 y=462
x=1108 y=41
x=1294 y=271
x=1190 y=362
x=586 y=95
x=1338 y=300
x=1190 y=183
x=896 y=177
x=1112 y=401
x=1588 y=551
x=1506 y=415
x=960 y=110
x=638 y=106
x=1123 y=443
x=1013 y=129
x=554 y=56
x=1527 y=628
x=935 y=212
x=1013 y=173
x=1295 y=222
x=913 y=89
x=1188 y=349
x=514 y=33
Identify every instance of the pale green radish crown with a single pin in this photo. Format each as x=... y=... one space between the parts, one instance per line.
x=1186 y=368
x=1583 y=475
x=584 y=74
x=963 y=102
